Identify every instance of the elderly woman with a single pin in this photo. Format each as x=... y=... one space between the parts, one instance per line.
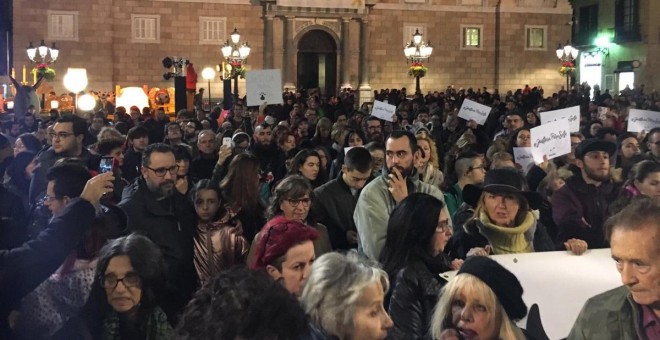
x=482 y=302
x=343 y=297
x=417 y=232
x=284 y=249
x=504 y=221
x=130 y=272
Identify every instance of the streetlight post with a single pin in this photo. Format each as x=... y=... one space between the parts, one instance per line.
x=236 y=55
x=417 y=52
x=208 y=74
x=567 y=55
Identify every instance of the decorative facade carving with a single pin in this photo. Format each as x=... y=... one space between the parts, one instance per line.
x=300 y=24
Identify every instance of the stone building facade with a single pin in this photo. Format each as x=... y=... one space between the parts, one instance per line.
x=620 y=43
x=501 y=44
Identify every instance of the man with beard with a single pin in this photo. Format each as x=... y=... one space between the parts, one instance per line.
x=380 y=196
x=158 y=211
x=653 y=144
x=580 y=207
x=374 y=130
x=261 y=146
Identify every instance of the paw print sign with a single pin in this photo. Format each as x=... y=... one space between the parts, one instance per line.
x=264 y=86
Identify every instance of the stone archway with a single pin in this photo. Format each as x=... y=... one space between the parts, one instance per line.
x=317 y=61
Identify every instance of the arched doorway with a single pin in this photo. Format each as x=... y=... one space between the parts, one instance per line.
x=317 y=62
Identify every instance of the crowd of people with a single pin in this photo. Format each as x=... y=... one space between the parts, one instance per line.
x=315 y=220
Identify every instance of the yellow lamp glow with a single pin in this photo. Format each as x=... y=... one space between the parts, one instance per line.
x=131 y=96
x=54 y=104
x=86 y=102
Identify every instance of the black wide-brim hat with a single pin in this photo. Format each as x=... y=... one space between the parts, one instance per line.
x=509 y=181
x=593 y=144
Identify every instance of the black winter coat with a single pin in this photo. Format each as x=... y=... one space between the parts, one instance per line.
x=333 y=207
x=415 y=294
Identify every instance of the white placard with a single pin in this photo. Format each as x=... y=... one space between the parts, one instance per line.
x=602 y=112
x=571 y=113
x=383 y=111
x=264 y=86
x=524 y=157
x=560 y=283
x=643 y=120
x=471 y=110
x=551 y=139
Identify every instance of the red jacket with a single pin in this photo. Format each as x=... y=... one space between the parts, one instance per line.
x=191 y=77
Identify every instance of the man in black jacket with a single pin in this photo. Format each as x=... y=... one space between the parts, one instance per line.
x=335 y=201
x=157 y=210
x=22 y=269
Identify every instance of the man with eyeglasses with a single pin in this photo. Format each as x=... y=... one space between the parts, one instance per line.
x=158 y=211
x=470 y=169
x=67 y=141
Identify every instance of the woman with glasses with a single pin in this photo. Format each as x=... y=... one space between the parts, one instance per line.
x=130 y=274
x=417 y=232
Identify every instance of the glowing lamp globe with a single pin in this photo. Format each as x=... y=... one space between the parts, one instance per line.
x=75 y=79
x=54 y=104
x=132 y=96
x=86 y=102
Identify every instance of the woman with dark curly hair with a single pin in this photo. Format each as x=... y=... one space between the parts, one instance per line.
x=242 y=304
x=307 y=163
x=130 y=272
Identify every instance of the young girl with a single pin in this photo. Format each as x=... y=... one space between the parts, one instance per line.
x=218 y=243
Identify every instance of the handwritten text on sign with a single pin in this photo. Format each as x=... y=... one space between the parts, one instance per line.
x=572 y=114
x=383 y=111
x=471 y=110
x=524 y=157
x=551 y=139
x=643 y=120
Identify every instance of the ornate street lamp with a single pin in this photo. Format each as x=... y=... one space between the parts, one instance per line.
x=567 y=55
x=236 y=55
x=417 y=52
x=43 y=52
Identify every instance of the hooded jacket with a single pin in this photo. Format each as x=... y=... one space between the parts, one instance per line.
x=373 y=209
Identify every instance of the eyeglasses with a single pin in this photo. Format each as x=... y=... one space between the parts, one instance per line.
x=477 y=167
x=442 y=227
x=295 y=202
x=160 y=172
x=51 y=198
x=131 y=279
x=60 y=135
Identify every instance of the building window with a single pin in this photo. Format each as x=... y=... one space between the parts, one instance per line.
x=471 y=2
x=535 y=38
x=471 y=36
x=212 y=30
x=587 y=26
x=62 y=25
x=145 y=28
x=626 y=21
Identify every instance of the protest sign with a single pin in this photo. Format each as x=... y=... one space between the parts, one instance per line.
x=523 y=157
x=383 y=111
x=560 y=283
x=471 y=110
x=264 y=86
x=572 y=114
x=643 y=120
x=551 y=139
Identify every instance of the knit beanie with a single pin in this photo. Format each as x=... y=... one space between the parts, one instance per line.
x=504 y=284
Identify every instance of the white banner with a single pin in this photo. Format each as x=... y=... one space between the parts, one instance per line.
x=471 y=110
x=357 y=4
x=383 y=111
x=643 y=120
x=551 y=139
x=264 y=86
x=572 y=114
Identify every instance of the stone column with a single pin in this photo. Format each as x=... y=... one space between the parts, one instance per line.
x=268 y=41
x=365 y=92
x=289 y=54
x=345 y=66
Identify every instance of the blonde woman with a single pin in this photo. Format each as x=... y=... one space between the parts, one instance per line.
x=482 y=302
x=428 y=166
